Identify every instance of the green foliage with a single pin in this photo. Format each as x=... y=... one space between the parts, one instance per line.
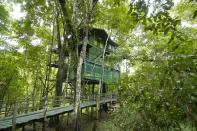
x=11 y=81
x=187 y=10
x=117 y=15
x=162 y=22
x=3 y=18
x=23 y=74
x=160 y=95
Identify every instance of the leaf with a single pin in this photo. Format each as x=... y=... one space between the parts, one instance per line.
x=130 y=9
x=166 y=30
x=171 y=39
x=177 y=22
x=3 y=19
x=195 y=14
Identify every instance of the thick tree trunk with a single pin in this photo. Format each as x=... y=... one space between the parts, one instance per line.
x=78 y=83
x=88 y=13
x=65 y=92
x=48 y=70
x=60 y=72
x=72 y=29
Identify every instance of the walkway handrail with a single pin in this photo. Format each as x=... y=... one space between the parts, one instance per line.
x=34 y=104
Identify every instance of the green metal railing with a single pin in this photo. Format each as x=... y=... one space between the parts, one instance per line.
x=93 y=71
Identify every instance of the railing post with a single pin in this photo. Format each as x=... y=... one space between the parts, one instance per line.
x=27 y=105
x=14 y=116
x=112 y=95
x=1 y=105
x=88 y=98
x=6 y=109
x=33 y=103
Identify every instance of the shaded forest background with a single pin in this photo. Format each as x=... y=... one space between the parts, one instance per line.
x=157 y=40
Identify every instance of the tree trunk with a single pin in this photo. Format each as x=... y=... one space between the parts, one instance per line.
x=60 y=72
x=67 y=77
x=120 y=87
x=78 y=83
x=72 y=29
x=88 y=13
x=34 y=90
x=48 y=70
x=101 y=79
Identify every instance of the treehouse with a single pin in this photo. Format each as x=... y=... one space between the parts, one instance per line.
x=92 y=70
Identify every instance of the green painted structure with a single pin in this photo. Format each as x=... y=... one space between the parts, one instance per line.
x=92 y=66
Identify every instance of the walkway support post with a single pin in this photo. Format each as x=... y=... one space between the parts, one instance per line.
x=14 y=116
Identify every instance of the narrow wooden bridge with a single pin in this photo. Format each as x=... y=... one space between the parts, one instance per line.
x=20 y=112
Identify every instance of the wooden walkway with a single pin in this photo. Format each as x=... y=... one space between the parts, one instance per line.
x=22 y=119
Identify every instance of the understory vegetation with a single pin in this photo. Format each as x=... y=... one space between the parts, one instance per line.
x=157 y=54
